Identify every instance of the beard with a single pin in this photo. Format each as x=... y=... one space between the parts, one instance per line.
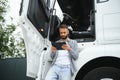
x=64 y=37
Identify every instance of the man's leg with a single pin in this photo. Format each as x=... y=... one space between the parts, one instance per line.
x=51 y=75
x=66 y=73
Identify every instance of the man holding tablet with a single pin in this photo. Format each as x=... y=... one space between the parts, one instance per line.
x=64 y=52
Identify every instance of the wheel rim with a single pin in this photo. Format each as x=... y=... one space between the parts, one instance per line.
x=106 y=79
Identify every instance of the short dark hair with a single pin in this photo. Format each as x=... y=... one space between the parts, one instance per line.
x=63 y=26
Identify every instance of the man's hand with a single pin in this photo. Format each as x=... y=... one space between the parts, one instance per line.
x=66 y=47
x=54 y=49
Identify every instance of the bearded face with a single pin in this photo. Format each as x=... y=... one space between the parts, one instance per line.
x=64 y=33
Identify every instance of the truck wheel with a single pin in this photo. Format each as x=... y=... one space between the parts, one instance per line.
x=103 y=73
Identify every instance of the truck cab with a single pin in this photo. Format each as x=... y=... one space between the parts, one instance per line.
x=94 y=24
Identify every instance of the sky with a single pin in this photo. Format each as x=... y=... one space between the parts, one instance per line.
x=13 y=10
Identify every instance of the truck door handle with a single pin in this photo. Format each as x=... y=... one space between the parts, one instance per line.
x=102 y=1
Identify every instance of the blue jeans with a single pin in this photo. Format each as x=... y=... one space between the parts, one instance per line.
x=59 y=72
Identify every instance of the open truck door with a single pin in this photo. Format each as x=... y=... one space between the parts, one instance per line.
x=35 y=18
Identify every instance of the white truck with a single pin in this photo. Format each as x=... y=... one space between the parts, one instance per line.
x=95 y=25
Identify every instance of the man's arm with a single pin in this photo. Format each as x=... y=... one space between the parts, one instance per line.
x=72 y=47
x=74 y=52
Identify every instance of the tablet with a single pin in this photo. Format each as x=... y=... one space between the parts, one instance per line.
x=58 y=45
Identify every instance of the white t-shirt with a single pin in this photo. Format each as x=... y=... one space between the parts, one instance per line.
x=63 y=57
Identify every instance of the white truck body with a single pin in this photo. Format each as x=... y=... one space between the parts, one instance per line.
x=101 y=56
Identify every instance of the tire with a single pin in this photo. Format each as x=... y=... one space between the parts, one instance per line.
x=103 y=73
